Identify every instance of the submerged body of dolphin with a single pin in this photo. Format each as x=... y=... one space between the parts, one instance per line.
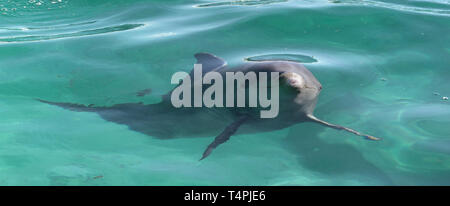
x=299 y=91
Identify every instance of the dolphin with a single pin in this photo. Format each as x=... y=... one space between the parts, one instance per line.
x=298 y=94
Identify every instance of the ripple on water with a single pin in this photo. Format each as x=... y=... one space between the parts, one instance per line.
x=63 y=26
x=18 y=8
x=241 y=3
x=405 y=7
x=284 y=57
x=431 y=119
x=439 y=146
x=91 y=32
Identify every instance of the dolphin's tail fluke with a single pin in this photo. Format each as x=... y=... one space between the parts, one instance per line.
x=73 y=107
x=136 y=116
x=339 y=127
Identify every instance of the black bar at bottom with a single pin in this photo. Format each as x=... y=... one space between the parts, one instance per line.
x=227 y=194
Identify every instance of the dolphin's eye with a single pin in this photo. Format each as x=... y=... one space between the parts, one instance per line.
x=292 y=81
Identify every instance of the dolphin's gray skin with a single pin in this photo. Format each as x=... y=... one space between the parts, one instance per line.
x=298 y=94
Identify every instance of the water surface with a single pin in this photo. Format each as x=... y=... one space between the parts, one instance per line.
x=384 y=66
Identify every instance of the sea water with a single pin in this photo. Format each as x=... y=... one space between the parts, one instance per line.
x=384 y=66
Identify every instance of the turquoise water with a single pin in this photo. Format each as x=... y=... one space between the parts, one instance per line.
x=384 y=67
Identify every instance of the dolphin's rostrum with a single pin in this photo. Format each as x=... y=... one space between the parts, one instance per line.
x=298 y=95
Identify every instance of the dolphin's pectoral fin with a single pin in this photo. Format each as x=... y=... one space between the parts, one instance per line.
x=339 y=127
x=224 y=136
x=209 y=62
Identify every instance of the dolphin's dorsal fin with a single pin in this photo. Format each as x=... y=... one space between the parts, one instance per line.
x=209 y=62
